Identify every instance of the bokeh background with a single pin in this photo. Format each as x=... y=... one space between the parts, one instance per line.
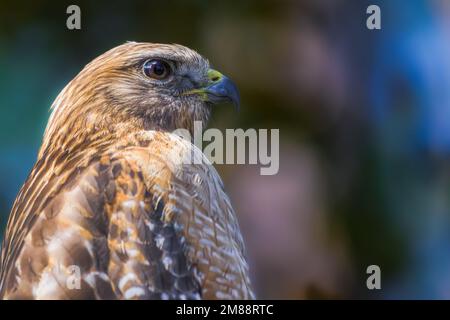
x=364 y=119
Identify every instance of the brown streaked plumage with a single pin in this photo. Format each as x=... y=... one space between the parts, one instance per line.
x=111 y=192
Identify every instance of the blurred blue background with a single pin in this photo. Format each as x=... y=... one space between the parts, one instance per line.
x=364 y=119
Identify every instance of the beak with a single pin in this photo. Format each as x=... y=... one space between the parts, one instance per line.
x=218 y=89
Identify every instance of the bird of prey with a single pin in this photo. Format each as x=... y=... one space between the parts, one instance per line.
x=111 y=209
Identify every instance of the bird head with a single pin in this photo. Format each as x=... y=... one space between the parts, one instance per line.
x=143 y=85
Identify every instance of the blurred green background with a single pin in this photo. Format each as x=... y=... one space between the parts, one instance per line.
x=364 y=121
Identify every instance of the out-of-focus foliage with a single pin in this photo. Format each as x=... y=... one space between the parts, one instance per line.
x=363 y=118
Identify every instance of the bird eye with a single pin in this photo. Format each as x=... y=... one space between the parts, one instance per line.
x=157 y=69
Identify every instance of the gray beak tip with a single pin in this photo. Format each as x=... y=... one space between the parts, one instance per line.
x=224 y=90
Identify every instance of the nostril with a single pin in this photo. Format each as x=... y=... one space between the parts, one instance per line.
x=214 y=79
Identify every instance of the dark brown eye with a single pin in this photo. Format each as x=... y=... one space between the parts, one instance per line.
x=157 y=69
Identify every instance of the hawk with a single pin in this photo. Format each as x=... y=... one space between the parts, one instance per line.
x=111 y=208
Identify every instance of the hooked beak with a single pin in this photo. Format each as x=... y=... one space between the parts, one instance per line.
x=219 y=89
